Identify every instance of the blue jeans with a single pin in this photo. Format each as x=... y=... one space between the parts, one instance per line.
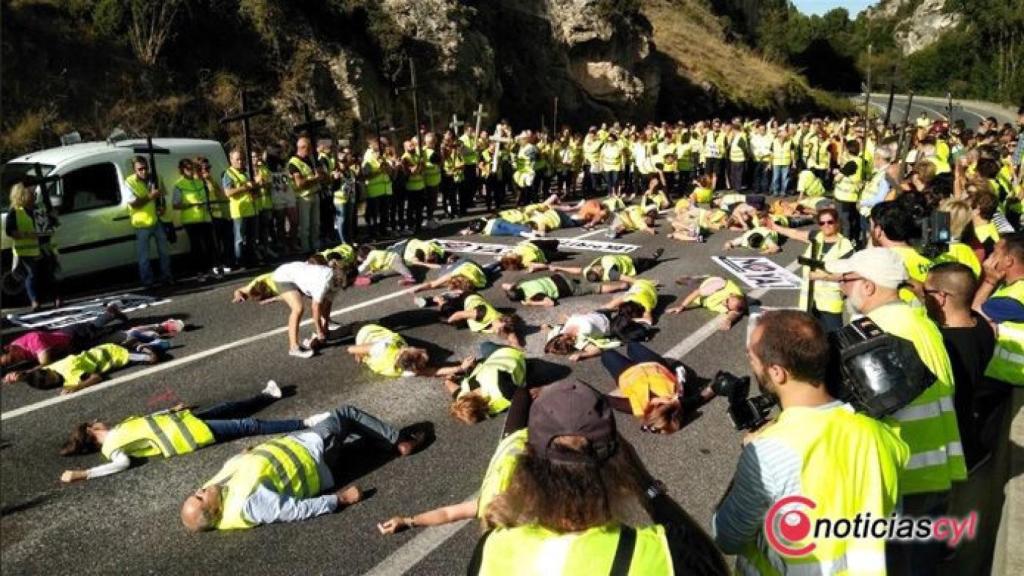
x=247 y=231
x=348 y=424
x=340 y=213
x=615 y=363
x=506 y=228
x=230 y=420
x=780 y=180
x=142 y=237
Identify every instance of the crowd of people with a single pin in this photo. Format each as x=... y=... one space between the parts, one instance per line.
x=909 y=231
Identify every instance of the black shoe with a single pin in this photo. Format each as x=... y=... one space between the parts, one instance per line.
x=657 y=254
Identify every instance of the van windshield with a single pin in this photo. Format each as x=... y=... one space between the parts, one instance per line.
x=14 y=172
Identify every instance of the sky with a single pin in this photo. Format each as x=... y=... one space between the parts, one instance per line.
x=821 y=6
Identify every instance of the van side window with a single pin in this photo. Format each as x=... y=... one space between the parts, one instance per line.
x=91 y=187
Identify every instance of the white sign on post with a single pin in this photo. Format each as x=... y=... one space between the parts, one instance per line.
x=759 y=272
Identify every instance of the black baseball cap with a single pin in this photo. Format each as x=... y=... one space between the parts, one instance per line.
x=572 y=408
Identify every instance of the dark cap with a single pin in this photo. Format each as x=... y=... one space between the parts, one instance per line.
x=572 y=408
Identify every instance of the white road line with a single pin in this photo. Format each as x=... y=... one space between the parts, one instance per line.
x=28 y=409
x=414 y=551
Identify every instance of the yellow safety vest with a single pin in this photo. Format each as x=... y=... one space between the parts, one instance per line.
x=380 y=260
x=163 y=434
x=848 y=187
x=533 y=550
x=611 y=157
x=428 y=247
x=643 y=292
x=548 y=219
x=509 y=360
x=469 y=154
x=828 y=296
x=863 y=458
x=962 y=253
x=346 y=251
x=512 y=215
x=809 y=184
x=193 y=198
x=431 y=171
x=736 y=153
x=474 y=301
x=658 y=200
x=1007 y=364
x=283 y=465
x=473 y=272
x=25 y=247
x=96 y=360
x=144 y=217
x=928 y=424
x=702 y=195
x=529 y=252
x=917 y=268
x=623 y=263
x=782 y=152
x=414 y=182
x=640 y=382
x=265 y=197
x=500 y=469
x=384 y=364
x=545 y=286
x=306 y=171
x=265 y=279
x=716 y=301
x=632 y=218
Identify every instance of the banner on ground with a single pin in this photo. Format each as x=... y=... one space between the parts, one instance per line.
x=759 y=272
x=465 y=247
x=82 y=312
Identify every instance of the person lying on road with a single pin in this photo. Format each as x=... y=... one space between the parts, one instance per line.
x=547 y=290
x=85 y=369
x=714 y=293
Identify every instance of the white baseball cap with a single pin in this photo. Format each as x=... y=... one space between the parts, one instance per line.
x=882 y=266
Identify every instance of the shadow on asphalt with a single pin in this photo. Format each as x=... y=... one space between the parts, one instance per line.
x=350 y=461
x=540 y=372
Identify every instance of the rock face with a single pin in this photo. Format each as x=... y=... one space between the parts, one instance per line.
x=921 y=21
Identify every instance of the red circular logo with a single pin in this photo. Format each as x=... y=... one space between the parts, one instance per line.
x=784 y=528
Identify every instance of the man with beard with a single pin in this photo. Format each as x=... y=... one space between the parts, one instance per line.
x=817 y=448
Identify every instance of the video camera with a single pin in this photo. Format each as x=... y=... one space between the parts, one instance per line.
x=876 y=372
x=935 y=235
x=746 y=413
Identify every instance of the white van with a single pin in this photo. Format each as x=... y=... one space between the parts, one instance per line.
x=91 y=198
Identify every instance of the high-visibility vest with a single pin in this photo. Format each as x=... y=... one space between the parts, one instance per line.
x=702 y=195
x=486 y=324
x=27 y=247
x=96 y=360
x=414 y=182
x=380 y=260
x=549 y=219
x=265 y=195
x=849 y=464
x=453 y=166
x=377 y=180
x=664 y=150
x=643 y=292
x=867 y=190
x=848 y=187
x=737 y=147
x=525 y=167
x=306 y=171
x=538 y=286
x=782 y=152
x=613 y=204
x=415 y=245
x=611 y=156
x=1007 y=364
x=267 y=280
x=917 y=268
x=644 y=380
x=808 y=184
x=500 y=469
x=592 y=153
x=283 y=465
x=473 y=272
x=828 y=296
x=512 y=215
x=163 y=434
x=714 y=144
x=193 y=198
x=508 y=360
x=469 y=154
x=685 y=153
x=985 y=232
x=632 y=218
x=529 y=252
x=962 y=253
x=711 y=218
x=716 y=302
x=808 y=146
x=384 y=364
x=623 y=263
x=533 y=550
x=928 y=424
x=144 y=217
x=431 y=171
x=346 y=251
x=658 y=200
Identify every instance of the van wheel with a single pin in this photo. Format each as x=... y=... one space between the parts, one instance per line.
x=12 y=284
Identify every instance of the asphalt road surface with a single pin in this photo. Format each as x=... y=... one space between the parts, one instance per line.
x=129 y=524
x=970 y=112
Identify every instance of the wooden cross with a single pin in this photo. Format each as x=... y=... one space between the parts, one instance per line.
x=456 y=124
x=243 y=116
x=497 y=148
x=309 y=125
x=479 y=116
x=38 y=179
x=151 y=151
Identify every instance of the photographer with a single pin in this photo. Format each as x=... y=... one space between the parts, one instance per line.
x=817 y=447
x=870 y=279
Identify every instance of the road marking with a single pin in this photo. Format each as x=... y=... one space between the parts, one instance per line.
x=406 y=557
x=207 y=353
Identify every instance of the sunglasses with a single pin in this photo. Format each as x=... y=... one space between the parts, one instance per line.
x=826 y=222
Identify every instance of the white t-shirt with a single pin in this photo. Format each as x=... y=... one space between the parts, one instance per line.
x=312 y=280
x=592 y=324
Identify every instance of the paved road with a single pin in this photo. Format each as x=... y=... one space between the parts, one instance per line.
x=129 y=523
x=970 y=112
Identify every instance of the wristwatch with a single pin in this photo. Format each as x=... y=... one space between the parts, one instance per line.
x=657 y=488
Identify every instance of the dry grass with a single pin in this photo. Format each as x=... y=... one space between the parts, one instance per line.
x=690 y=33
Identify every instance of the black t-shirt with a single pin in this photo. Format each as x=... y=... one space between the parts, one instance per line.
x=970 y=350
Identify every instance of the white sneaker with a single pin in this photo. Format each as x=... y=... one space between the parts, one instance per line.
x=331 y=326
x=301 y=353
x=316 y=419
x=272 y=390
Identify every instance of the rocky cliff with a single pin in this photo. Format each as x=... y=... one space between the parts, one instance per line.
x=919 y=23
x=92 y=65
